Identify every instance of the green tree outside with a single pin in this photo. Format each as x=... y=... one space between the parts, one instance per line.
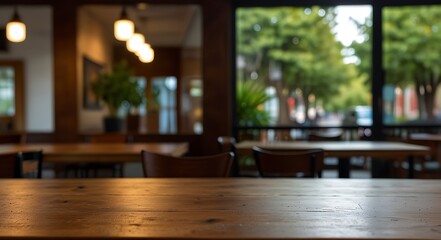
x=295 y=50
x=411 y=45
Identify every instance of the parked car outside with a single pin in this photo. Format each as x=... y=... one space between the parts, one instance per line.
x=358 y=115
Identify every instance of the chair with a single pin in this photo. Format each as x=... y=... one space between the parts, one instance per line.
x=21 y=165
x=31 y=163
x=227 y=144
x=158 y=165
x=427 y=167
x=288 y=163
x=328 y=163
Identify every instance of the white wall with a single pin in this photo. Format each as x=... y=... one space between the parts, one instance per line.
x=36 y=52
x=94 y=42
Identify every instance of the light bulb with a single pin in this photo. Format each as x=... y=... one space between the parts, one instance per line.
x=123 y=27
x=135 y=42
x=146 y=55
x=15 y=29
x=144 y=48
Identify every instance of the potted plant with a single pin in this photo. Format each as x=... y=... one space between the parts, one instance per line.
x=114 y=88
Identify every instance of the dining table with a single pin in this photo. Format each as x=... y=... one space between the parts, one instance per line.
x=96 y=152
x=343 y=150
x=220 y=208
x=59 y=156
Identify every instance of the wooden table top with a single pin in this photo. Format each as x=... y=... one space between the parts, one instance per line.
x=96 y=152
x=220 y=209
x=345 y=148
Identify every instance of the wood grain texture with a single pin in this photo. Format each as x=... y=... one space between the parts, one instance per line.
x=221 y=209
x=96 y=152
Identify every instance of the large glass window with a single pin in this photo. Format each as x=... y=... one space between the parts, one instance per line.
x=11 y=96
x=164 y=102
x=412 y=64
x=304 y=66
x=7 y=91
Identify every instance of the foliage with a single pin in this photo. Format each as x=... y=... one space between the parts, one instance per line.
x=411 y=45
x=301 y=45
x=363 y=50
x=250 y=97
x=116 y=87
x=136 y=96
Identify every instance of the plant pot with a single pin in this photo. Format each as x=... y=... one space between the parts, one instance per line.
x=133 y=122
x=113 y=124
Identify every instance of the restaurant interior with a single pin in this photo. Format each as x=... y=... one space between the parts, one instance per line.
x=220 y=119
x=190 y=87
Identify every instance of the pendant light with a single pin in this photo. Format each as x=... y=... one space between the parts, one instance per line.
x=123 y=27
x=15 y=29
x=146 y=53
x=135 y=42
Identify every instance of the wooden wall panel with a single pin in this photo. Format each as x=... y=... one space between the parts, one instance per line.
x=166 y=63
x=65 y=73
x=216 y=63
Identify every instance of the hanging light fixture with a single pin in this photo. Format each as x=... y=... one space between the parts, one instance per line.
x=135 y=42
x=15 y=29
x=124 y=28
x=146 y=53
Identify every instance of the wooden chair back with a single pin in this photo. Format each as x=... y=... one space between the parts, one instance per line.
x=21 y=165
x=327 y=137
x=158 y=165
x=226 y=143
x=31 y=163
x=287 y=163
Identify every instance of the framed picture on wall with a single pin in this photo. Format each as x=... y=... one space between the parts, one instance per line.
x=91 y=71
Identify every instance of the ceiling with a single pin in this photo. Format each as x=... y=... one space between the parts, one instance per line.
x=162 y=25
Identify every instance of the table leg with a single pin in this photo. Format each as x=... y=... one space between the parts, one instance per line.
x=411 y=167
x=343 y=167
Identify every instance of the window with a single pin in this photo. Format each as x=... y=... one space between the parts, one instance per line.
x=164 y=101
x=303 y=66
x=11 y=96
x=412 y=64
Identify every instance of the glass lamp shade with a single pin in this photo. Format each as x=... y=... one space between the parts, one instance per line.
x=135 y=42
x=123 y=29
x=146 y=54
x=16 y=31
x=143 y=49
